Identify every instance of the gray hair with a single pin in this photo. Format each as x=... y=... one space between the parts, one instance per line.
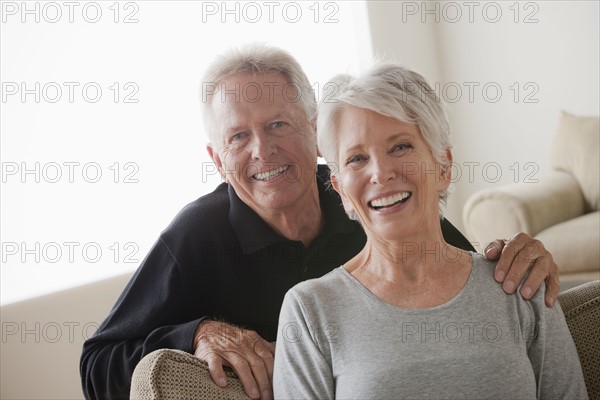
x=257 y=59
x=391 y=90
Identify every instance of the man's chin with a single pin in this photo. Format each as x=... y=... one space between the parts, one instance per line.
x=278 y=199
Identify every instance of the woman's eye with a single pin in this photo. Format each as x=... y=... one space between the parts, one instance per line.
x=355 y=159
x=401 y=147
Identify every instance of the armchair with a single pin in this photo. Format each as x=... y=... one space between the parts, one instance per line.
x=561 y=210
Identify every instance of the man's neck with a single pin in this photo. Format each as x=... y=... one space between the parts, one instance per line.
x=302 y=221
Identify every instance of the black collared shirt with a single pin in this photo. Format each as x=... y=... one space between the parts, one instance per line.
x=219 y=260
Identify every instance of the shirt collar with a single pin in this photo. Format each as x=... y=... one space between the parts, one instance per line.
x=254 y=234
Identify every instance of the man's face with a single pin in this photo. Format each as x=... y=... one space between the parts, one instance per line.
x=266 y=146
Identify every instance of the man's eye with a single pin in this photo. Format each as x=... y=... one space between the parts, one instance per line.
x=278 y=124
x=238 y=136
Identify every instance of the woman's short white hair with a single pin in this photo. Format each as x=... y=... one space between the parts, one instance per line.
x=394 y=91
x=257 y=59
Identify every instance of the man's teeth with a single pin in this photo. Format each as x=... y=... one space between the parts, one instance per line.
x=263 y=176
x=389 y=200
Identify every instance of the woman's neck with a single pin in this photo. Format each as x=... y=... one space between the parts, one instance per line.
x=422 y=272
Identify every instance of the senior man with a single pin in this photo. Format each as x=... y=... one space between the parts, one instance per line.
x=214 y=281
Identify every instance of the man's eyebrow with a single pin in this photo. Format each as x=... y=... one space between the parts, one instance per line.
x=281 y=114
x=241 y=127
x=234 y=129
x=278 y=115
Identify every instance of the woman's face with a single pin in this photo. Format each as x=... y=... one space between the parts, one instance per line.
x=387 y=174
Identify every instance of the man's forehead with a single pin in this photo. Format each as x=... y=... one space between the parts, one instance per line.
x=255 y=88
x=251 y=99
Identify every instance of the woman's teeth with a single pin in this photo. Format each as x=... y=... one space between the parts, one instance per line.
x=389 y=200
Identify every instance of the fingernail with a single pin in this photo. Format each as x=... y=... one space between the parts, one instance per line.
x=551 y=302
x=266 y=395
x=526 y=292
x=254 y=393
x=222 y=382
x=499 y=276
x=509 y=286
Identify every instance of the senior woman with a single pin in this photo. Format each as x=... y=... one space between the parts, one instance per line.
x=410 y=316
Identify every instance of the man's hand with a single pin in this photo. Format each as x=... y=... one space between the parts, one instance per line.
x=250 y=356
x=517 y=256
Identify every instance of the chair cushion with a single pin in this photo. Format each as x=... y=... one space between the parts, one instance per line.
x=168 y=374
x=574 y=243
x=575 y=150
x=581 y=306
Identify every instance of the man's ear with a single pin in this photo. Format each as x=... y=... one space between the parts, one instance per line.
x=214 y=155
x=313 y=127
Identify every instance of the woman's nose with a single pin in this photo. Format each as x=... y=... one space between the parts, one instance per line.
x=382 y=172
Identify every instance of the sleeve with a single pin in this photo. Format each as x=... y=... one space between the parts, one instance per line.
x=150 y=314
x=301 y=370
x=553 y=355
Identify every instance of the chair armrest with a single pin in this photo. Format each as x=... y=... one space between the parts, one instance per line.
x=168 y=374
x=523 y=207
x=581 y=306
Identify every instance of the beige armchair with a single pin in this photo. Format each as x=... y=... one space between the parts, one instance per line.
x=562 y=209
x=174 y=375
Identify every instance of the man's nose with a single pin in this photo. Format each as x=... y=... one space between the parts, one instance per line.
x=263 y=146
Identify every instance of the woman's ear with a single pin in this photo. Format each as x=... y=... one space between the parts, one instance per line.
x=345 y=201
x=446 y=170
x=335 y=183
x=214 y=155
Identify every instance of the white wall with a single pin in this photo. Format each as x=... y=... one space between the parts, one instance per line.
x=42 y=339
x=554 y=61
x=408 y=41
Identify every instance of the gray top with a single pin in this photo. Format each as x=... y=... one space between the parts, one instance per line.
x=338 y=340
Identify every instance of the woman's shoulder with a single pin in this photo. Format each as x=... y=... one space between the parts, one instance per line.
x=325 y=284
x=327 y=290
x=491 y=290
x=483 y=271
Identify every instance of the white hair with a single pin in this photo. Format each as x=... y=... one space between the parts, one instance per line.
x=257 y=59
x=393 y=91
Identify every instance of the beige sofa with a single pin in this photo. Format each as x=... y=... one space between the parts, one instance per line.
x=173 y=375
x=562 y=209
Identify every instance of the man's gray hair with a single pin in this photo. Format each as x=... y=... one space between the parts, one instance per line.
x=391 y=90
x=255 y=59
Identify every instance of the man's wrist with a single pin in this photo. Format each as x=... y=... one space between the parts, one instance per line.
x=198 y=333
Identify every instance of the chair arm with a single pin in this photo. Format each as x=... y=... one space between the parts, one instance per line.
x=523 y=207
x=168 y=374
x=581 y=306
